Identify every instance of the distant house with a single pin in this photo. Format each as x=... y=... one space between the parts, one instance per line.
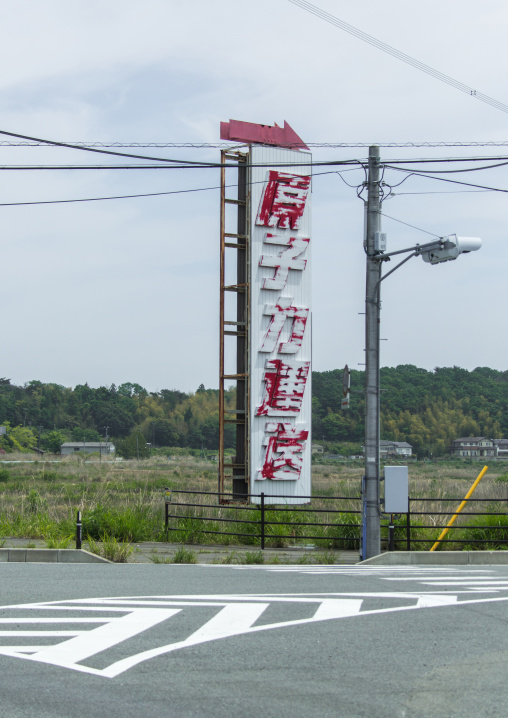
x=500 y=447
x=317 y=449
x=87 y=447
x=478 y=446
x=472 y=446
x=395 y=448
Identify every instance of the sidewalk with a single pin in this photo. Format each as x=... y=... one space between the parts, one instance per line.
x=154 y=552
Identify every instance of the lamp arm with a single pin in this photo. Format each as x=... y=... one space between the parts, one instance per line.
x=375 y=298
x=417 y=249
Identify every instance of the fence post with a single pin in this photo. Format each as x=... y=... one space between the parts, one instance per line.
x=167 y=501
x=262 y=520
x=78 y=530
x=391 y=535
x=408 y=527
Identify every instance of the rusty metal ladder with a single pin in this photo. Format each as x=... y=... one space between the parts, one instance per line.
x=234 y=472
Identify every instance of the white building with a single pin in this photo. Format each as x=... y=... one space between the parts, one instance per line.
x=87 y=447
x=398 y=448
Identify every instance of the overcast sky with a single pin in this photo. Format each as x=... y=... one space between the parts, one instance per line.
x=128 y=290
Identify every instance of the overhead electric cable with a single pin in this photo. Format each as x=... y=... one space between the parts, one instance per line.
x=179 y=163
x=147 y=194
x=384 y=47
x=84 y=148
x=223 y=145
x=467 y=169
x=447 y=179
x=451 y=191
x=432 y=234
x=184 y=166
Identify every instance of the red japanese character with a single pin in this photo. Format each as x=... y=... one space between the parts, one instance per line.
x=284 y=448
x=285 y=260
x=279 y=313
x=284 y=389
x=283 y=200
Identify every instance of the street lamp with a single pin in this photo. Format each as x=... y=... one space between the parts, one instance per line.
x=442 y=249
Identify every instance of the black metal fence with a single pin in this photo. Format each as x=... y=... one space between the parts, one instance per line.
x=263 y=520
x=495 y=534
x=334 y=520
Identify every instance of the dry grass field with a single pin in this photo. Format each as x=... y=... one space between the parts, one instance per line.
x=125 y=500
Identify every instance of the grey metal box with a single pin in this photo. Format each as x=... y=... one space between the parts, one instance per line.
x=396 y=490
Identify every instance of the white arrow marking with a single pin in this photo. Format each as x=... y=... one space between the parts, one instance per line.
x=232 y=620
x=435 y=600
x=68 y=653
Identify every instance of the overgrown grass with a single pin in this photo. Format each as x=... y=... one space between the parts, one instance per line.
x=125 y=501
x=184 y=555
x=110 y=548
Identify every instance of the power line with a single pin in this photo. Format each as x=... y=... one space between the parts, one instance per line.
x=433 y=234
x=180 y=164
x=452 y=191
x=384 y=47
x=443 y=160
x=226 y=145
x=84 y=148
x=447 y=179
x=352 y=163
x=147 y=194
x=329 y=163
x=467 y=169
x=102 y=199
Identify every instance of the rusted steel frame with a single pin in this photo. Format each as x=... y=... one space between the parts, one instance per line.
x=240 y=469
x=221 y=318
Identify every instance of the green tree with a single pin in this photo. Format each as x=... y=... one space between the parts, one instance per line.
x=52 y=441
x=133 y=446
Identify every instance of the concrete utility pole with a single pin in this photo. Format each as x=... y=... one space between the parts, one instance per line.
x=443 y=249
x=371 y=539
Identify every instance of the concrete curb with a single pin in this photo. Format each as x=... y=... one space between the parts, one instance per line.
x=438 y=558
x=49 y=555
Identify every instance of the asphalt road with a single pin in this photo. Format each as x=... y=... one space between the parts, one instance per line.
x=215 y=641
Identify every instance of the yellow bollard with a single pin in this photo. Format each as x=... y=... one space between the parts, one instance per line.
x=468 y=496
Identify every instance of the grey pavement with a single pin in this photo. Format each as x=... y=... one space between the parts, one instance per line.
x=242 y=641
x=154 y=552
x=29 y=550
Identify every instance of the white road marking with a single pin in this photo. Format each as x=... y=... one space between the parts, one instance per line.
x=237 y=615
x=430 y=601
x=39 y=633
x=55 y=620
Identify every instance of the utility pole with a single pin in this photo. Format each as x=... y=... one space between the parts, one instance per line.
x=371 y=517
x=443 y=249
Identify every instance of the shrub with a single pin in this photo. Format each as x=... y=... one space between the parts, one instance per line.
x=110 y=549
x=493 y=530
x=184 y=555
x=253 y=557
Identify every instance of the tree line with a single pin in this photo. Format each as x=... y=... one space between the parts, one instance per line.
x=428 y=409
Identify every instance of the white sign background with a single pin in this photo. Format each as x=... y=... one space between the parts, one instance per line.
x=298 y=289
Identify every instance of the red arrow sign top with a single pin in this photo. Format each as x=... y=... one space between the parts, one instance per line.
x=262 y=134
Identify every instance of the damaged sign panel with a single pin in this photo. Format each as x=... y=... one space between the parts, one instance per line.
x=280 y=324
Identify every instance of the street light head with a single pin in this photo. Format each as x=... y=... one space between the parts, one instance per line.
x=450 y=247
